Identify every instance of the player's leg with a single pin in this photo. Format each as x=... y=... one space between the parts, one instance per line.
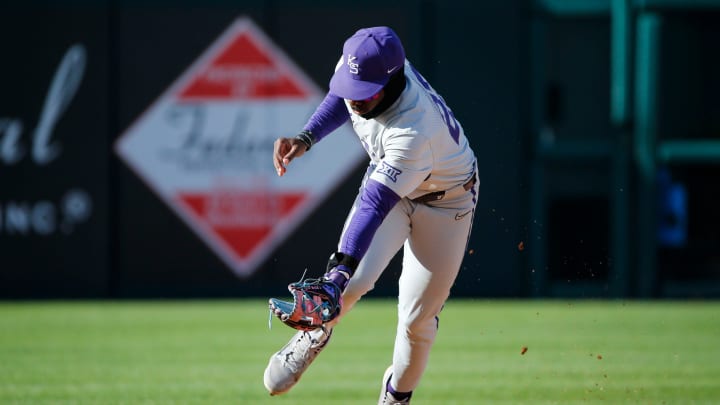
x=432 y=258
x=288 y=364
x=388 y=240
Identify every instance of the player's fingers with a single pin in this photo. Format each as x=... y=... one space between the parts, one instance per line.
x=295 y=151
x=280 y=149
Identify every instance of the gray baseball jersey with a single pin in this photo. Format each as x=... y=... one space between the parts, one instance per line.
x=417 y=144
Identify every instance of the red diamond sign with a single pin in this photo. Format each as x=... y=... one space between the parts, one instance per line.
x=205 y=148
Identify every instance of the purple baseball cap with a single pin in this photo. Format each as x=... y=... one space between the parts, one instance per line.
x=370 y=57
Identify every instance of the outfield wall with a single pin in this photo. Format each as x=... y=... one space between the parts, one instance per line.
x=78 y=221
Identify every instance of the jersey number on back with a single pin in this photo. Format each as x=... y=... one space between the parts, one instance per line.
x=452 y=125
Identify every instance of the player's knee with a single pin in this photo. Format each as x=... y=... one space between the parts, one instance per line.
x=420 y=328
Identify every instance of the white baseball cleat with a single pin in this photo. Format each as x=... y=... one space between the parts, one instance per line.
x=287 y=365
x=387 y=398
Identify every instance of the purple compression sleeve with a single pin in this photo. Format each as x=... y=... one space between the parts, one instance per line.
x=376 y=201
x=328 y=116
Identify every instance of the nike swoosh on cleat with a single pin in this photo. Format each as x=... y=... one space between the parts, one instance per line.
x=461 y=216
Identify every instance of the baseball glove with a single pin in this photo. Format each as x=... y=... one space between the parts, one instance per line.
x=315 y=302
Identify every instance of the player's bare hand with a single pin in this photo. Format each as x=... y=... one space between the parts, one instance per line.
x=284 y=151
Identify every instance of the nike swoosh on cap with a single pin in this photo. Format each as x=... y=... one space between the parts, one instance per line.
x=389 y=71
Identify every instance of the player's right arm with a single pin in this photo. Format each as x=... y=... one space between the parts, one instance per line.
x=328 y=116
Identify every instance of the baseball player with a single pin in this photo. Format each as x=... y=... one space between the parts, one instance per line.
x=419 y=194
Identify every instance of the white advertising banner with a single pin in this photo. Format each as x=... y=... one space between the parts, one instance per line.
x=205 y=147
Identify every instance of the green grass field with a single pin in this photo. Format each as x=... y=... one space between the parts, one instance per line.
x=214 y=352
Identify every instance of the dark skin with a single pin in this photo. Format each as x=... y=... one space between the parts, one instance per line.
x=287 y=149
x=284 y=151
x=365 y=106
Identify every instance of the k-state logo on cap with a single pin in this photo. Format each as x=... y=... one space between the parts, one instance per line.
x=353 y=65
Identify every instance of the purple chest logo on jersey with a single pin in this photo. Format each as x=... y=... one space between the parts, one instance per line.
x=389 y=171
